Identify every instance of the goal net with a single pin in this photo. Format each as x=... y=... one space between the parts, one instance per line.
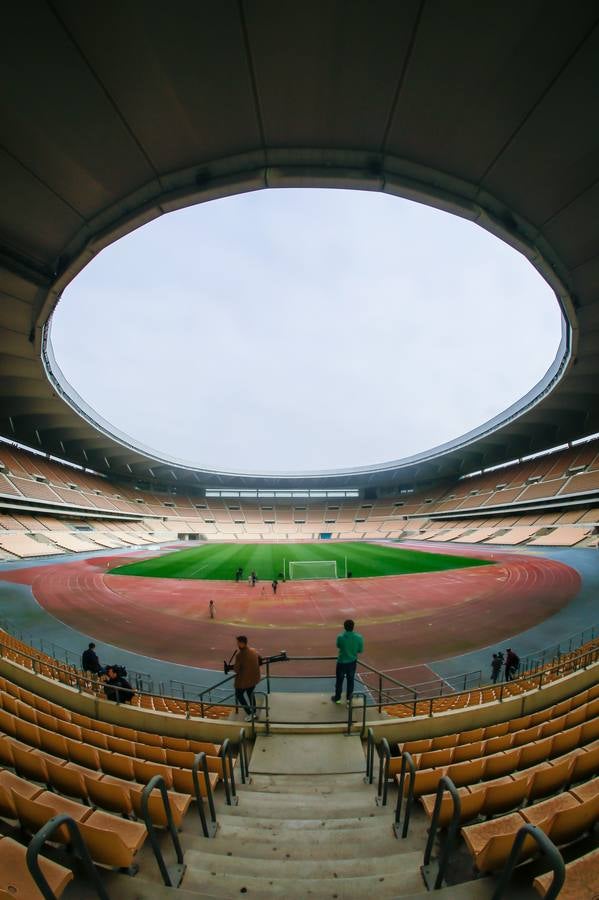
x=322 y=568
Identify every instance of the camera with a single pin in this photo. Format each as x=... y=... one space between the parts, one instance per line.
x=121 y=671
x=228 y=667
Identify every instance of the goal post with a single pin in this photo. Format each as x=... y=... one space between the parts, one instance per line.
x=304 y=569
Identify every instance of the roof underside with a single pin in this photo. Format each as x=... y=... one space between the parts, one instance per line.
x=115 y=113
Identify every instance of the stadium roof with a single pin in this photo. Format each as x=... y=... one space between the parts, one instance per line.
x=115 y=113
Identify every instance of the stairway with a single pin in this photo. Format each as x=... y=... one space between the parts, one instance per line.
x=305 y=827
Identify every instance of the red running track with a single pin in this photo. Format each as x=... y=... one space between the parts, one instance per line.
x=406 y=620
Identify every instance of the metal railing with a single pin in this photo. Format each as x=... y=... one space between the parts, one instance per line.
x=407 y=765
x=209 y=828
x=384 y=766
x=506 y=689
x=547 y=848
x=530 y=662
x=142 y=681
x=201 y=704
x=172 y=876
x=81 y=851
x=226 y=755
x=370 y=748
x=433 y=870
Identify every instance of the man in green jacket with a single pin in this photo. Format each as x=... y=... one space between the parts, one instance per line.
x=349 y=644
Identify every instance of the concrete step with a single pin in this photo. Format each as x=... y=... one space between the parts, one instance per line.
x=300 y=784
x=321 y=843
x=229 y=823
x=361 y=865
x=219 y=882
x=341 y=804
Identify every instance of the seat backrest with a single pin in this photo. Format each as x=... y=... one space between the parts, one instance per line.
x=537 y=752
x=526 y=735
x=569 y=824
x=95 y=738
x=84 y=755
x=496 y=852
x=500 y=798
x=467 y=751
x=67 y=781
x=117 y=764
x=32 y=814
x=53 y=743
x=113 y=797
x=498 y=743
x=27 y=732
x=144 y=771
x=590 y=730
x=30 y=765
x=576 y=716
x=7 y=722
x=467 y=772
x=475 y=734
x=105 y=847
x=549 y=779
x=150 y=753
x=565 y=741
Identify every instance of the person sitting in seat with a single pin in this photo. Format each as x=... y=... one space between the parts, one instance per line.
x=117 y=687
x=90 y=661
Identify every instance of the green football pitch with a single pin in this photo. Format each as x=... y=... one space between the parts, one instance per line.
x=220 y=561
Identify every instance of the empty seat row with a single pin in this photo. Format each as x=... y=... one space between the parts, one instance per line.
x=34 y=763
x=527 y=681
x=500 y=764
x=454 y=739
x=499 y=795
x=36 y=709
x=563 y=818
x=565 y=732
x=582 y=879
x=15 y=878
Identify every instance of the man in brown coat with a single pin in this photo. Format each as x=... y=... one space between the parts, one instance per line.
x=247 y=676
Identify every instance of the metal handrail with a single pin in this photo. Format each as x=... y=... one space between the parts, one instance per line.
x=172 y=876
x=384 y=764
x=406 y=763
x=433 y=873
x=209 y=829
x=93 y=686
x=44 y=834
x=370 y=745
x=350 y=714
x=549 y=850
x=244 y=769
x=226 y=756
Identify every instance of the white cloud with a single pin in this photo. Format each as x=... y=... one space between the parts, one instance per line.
x=297 y=330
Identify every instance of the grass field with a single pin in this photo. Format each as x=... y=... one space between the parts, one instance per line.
x=220 y=561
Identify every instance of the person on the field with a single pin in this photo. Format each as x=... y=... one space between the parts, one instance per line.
x=254 y=578
x=247 y=676
x=349 y=644
x=211 y=609
x=496 y=664
x=512 y=663
x=90 y=661
x=117 y=687
x=251 y=581
x=275 y=585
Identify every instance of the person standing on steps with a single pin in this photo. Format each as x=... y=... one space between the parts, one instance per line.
x=349 y=644
x=247 y=676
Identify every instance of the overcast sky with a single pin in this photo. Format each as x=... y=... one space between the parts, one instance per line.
x=298 y=330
